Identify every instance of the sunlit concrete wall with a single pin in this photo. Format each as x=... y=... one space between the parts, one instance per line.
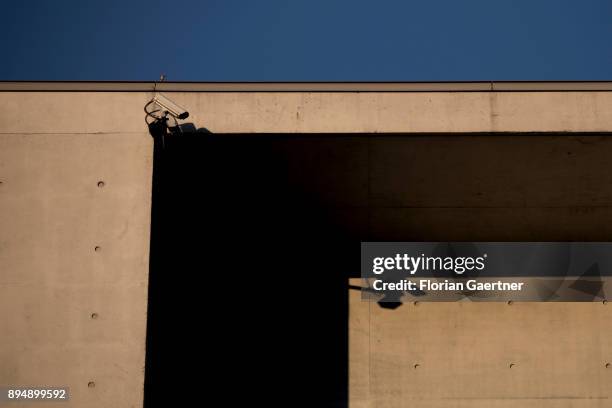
x=315 y=112
x=479 y=355
x=75 y=198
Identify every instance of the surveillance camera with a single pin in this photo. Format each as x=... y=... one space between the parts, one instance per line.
x=170 y=107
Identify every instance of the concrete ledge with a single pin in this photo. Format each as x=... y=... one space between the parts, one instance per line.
x=314 y=112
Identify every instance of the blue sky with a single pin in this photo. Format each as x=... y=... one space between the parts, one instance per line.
x=310 y=40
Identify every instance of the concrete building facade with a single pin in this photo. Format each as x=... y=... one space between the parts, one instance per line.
x=416 y=162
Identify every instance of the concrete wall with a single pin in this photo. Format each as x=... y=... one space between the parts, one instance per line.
x=75 y=201
x=77 y=315
x=479 y=355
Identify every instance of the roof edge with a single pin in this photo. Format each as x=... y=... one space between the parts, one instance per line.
x=479 y=86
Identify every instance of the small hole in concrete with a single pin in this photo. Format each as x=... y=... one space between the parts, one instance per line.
x=608 y=365
x=101 y=184
x=510 y=302
x=416 y=366
x=605 y=302
x=97 y=249
x=416 y=303
x=91 y=384
x=94 y=315
x=512 y=365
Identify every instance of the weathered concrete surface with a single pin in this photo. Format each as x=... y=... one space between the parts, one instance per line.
x=459 y=355
x=74 y=262
x=56 y=146
x=315 y=112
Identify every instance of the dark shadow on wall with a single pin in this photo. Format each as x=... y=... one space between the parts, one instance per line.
x=250 y=260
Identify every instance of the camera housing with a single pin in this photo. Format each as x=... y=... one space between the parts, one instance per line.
x=170 y=107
